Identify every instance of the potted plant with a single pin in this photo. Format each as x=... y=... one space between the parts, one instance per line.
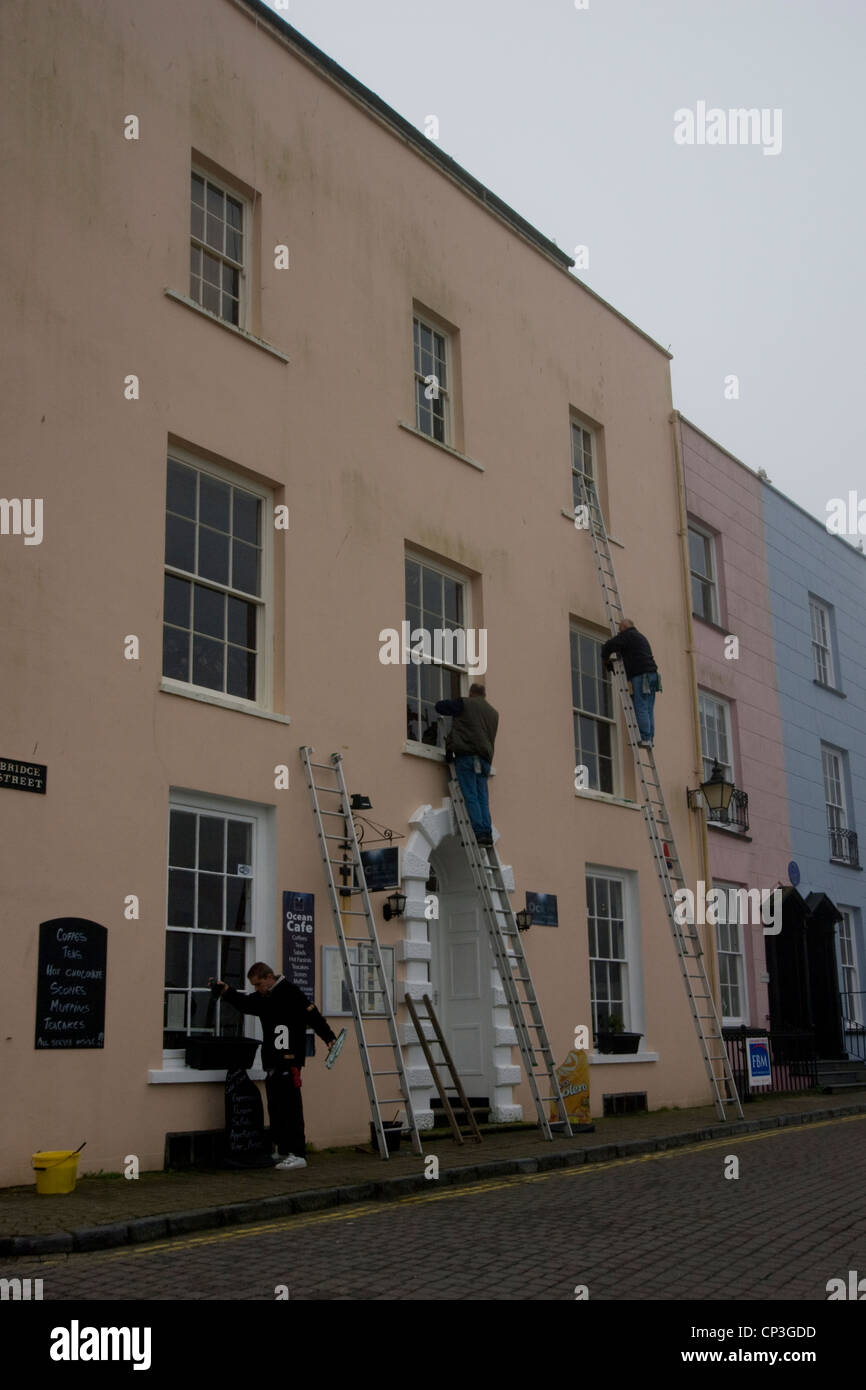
x=612 y=1037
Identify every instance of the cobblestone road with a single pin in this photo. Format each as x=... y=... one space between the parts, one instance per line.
x=660 y=1226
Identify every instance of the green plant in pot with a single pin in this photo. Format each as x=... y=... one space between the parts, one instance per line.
x=612 y=1036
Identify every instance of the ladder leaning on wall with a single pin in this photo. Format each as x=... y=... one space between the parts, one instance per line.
x=687 y=941
x=340 y=834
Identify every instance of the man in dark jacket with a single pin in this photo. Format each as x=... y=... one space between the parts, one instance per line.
x=286 y=1014
x=642 y=672
x=470 y=744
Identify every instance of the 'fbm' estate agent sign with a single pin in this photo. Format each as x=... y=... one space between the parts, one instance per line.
x=70 y=983
x=23 y=777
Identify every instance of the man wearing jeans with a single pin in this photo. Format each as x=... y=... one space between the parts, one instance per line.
x=470 y=743
x=642 y=673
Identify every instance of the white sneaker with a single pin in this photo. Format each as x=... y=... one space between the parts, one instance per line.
x=290 y=1161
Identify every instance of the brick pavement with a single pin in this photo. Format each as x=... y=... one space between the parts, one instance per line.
x=100 y=1211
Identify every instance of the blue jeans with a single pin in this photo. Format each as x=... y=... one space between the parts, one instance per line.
x=474 y=788
x=644 y=702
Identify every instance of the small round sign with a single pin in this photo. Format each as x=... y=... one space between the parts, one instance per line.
x=794 y=872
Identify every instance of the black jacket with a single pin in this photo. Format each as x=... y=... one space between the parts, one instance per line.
x=634 y=649
x=474 y=729
x=286 y=1005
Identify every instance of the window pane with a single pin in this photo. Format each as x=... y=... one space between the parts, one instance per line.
x=208 y=663
x=197 y=224
x=176 y=958
x=198 y=1008
x=245 y=567
x=233 y=211
x=211 y=268
x=179 y=543
x=196 y=184
x=205 y=957
x=210 y=298
x=432 y=589
x=211 y=843
x=175 y=654
x=213 y=555
x=241 y=673
x=239 y=845
x=176 y=601
x=241 y=622
x=234 y=245
x=180 y=489
x=214 y=503
x=233 y=961
x=247 y=511
x=210 y=901
x=181 y=840
x=237 y=904
x=181 y=891
x=209 y=611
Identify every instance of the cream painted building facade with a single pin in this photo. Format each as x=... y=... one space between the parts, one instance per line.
x=234 y=277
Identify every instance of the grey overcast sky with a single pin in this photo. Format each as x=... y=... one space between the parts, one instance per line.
x=742 y=263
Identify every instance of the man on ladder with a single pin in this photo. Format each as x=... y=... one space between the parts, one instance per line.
x=642 y=674
x=470 y=744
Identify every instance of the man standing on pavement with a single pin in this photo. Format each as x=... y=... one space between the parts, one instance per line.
x=286 y=1013
x=470 y=744
x=642 y=673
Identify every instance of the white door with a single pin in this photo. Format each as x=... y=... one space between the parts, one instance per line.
x=461 y=974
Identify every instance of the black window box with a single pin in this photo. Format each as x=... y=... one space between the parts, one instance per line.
x=618 y=1042
x=218 y=1054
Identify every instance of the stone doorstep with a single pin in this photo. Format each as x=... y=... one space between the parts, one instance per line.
x=158 y=1226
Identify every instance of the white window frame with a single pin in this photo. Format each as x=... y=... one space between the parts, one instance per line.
x=264 y=637
x=588 y=435
x=242 y=267
x=725 y=707
x=463 y=671
x=712 y=578
x=846 y=956
x=633 y=1019
x=262 y=937
x=732 y=1020
x=613 y=721
x=445 y=392
x=833 y=772
x=822 y=641
x=333 y=980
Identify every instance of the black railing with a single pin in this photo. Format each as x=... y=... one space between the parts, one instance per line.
x=736 y=815
x=793 y=1061
x=843 y=847
x=853 y=1030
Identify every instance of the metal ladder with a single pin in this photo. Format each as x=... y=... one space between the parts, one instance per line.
x=687 y=941
x=346 y=839
x=511 y=963
x=447 y=1061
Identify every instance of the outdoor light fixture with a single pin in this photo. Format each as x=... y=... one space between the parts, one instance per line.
x=524 y=919
x=361 y=803
x=394 y=905
x=716 y=791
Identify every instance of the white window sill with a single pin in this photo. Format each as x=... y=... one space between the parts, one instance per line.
x=185 y=1076
x=590 y=795
x=599 y=1058
x=223 y=323
x=209 y=697
x=613 y=540
x=419 y=434
x=424 y=750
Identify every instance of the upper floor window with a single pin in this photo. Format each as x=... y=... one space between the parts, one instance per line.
x=432 y=382
x=822 y=642
x=593 y=711
x=583 y=460
x=716 y=744
x=437 y=602
x=214 y=609
x=843 y=841
x=217 y=246
x=702 y=563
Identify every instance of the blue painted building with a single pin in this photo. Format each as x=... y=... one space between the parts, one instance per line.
x=817 y=584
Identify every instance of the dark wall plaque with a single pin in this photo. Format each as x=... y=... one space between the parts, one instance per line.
x=70 y=983
x=381 y=868
x=543 y=907
x=23 y=777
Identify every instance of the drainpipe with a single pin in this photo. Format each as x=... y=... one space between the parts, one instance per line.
x=710 y=936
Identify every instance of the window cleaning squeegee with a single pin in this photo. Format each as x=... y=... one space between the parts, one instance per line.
x=336 y=1048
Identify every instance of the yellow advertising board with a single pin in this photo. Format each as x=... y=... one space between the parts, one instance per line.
x=573 y=1078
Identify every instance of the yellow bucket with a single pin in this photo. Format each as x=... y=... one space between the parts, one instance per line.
x=56 y=1171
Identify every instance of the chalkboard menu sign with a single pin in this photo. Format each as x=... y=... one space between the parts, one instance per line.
x=246 y=1146
x=70 y=983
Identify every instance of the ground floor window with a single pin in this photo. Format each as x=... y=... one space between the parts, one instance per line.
x=364 y=974
x=608 y=962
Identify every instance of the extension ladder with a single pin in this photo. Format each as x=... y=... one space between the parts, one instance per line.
x=511 y=963
x=670 y=875
x=447 y=1061
x=352 y=889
